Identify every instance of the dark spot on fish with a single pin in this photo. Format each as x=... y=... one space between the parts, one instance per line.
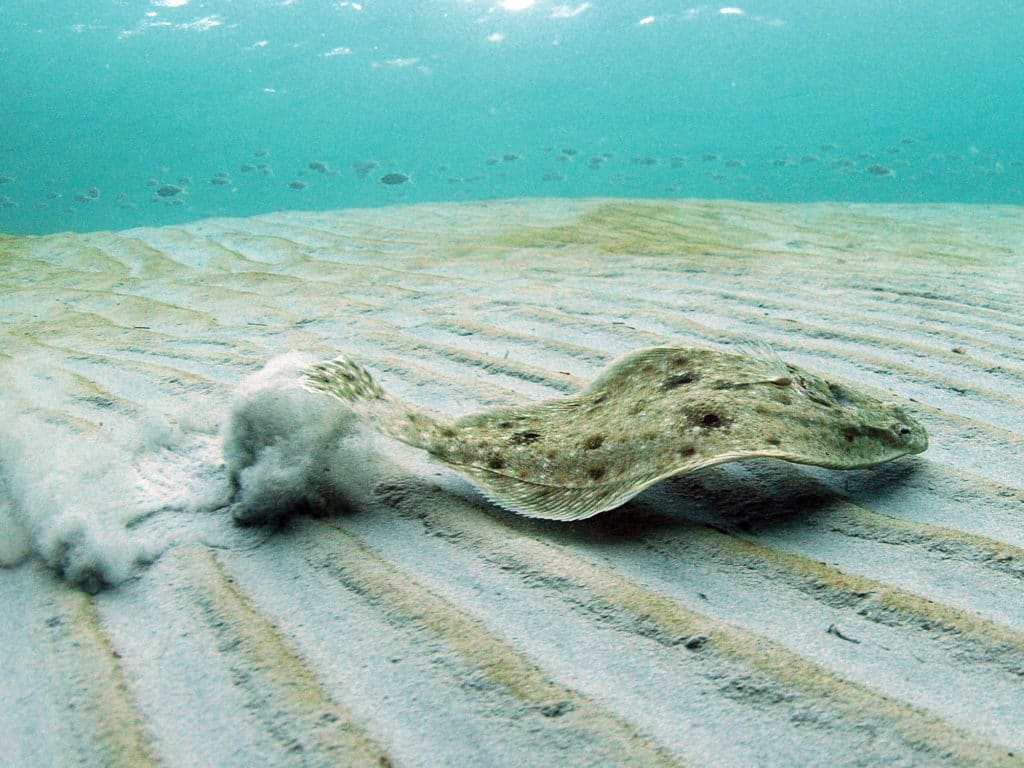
x=593 y=442
x=839 y=394
x=773 y=441
x=524 y=438
x=596 y=473
x=686 y=451
x=711 y=420
x=677 y=381
x=494 y=461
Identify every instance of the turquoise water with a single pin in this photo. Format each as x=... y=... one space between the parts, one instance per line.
x=104 y=103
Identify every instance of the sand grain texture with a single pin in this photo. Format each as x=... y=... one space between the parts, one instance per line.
x=750 y=613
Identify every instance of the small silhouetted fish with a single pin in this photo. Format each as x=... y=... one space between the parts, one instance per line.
x=297 y=185
x=392 y=179
x=809 y=159
x=828 y=147
x=906 y=140
x=169 y=190
x=83 y=198
x=492 y=161
x=733 y=163
x=6 y=179
x=185 y=181
x=246 y=167
x=510 y=157
x=644 y=161
x=709 y=157
x=552 y=176
x=220 y=181
x=52 y=195
x=570 y=151
x=261 y=153
x=94 y=193
x=878 y=170
x=319 y=166
x=782 y=162
x=151 y=182
x=363 y=167
x=6 y=202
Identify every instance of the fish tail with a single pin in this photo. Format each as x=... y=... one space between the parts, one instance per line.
x=347 y=381
x=344 y=379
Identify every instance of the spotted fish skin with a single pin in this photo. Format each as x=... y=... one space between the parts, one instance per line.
x=652 y=414
x=346 y=380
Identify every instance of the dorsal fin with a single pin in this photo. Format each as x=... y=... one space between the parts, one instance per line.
x=546 y=501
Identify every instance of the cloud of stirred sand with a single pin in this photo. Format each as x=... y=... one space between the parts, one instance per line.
x=98 y=509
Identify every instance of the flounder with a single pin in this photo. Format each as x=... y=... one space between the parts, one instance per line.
x=652 y=414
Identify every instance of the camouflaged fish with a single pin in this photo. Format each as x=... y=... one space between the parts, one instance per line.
x=652 y=414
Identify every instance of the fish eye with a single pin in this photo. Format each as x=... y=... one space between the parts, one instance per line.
x=901 y=429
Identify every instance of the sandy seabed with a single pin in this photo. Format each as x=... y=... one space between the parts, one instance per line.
x=758 y=613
